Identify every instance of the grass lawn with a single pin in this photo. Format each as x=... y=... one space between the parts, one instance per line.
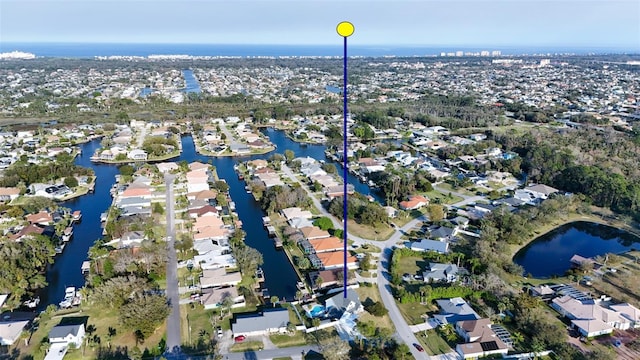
x=297 y=339
x=102 y=318
x=433 y=343
x=283 y=358
x=413 y=312
x=411 y=265
x=379 y=232
x=199 y=323
x=371 y=293
x=447 y=187
x=366 y=248
x=247 y=346
x=444 y=198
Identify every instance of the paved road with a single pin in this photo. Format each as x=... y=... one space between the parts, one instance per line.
x=232 y=140
x=403 y=331
x=173 y=323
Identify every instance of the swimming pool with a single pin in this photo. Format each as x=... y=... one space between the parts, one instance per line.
x=317 y=311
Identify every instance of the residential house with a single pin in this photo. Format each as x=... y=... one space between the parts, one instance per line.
x=540 y=191
x=592 y=318
x=215 y=297
x=314 y=232
x=43 y=218
x=266 y=322
x=137 y=154
x=430 y=245
x=454 y=310
x=219 y=277
x=326 y=244
x=296 y=212
x=480 y=339
x=67 y=334
x=414 y=202
x=10 y=330
x=441 y=273
x=335 y=260
x=9 y=193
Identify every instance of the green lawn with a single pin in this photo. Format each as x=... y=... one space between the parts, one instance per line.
x=411 y=265
x=444 y=198
x=413 y=312
x=433 y=343
x=199 y=323
x=297 y=339
x=247 y=346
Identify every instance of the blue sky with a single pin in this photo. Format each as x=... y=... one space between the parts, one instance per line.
x=586 y=23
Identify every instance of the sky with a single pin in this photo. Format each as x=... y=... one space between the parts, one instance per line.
x=577 y=23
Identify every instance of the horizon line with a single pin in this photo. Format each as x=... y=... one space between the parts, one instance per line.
x=629 y=47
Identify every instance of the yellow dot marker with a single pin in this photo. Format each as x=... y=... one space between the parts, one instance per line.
x=345 y=29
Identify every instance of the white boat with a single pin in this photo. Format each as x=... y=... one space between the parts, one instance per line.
x=69 y=292
x=32 y=303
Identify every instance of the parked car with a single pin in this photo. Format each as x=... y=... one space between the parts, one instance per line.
x=239 y=338
x=419 y=347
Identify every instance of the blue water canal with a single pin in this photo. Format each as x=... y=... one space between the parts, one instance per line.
x=280 y=275
x=549 y=254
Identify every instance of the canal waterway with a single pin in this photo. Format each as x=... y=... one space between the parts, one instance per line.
x=280 y=276
x=192 y=84
x=550 y=254
x=65 y=271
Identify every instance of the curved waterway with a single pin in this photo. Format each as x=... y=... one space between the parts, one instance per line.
x=550 y=254
x=280 y=276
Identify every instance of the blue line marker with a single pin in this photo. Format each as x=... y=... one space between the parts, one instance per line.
x=345 y=29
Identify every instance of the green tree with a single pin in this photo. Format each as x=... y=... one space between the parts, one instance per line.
x=144 y=313
x=323 y=223
x=71 y=181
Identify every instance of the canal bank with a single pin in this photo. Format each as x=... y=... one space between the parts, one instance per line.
x=280 y=275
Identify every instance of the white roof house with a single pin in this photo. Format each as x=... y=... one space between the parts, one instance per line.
x=10 y=331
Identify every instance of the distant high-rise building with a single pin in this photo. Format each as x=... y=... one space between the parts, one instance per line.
x=459 y=53
x=484 y=53
x=443 y=54
x=496 y=53
x=545 y=62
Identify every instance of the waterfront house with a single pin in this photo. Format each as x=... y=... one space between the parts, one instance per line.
x=219 y=277
x=335 y=260
x=326 y=244
x=42 y=218
x=10 y=331
x=593 y=317
x=266 y=322
x=314 y=232
x=137 y=154
x=215 y=297
x=67 y=334
x=296 y=212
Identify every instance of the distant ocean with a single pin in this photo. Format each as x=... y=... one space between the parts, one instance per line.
x=89 y=50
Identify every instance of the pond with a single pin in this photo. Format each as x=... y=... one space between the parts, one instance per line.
x=549 y=254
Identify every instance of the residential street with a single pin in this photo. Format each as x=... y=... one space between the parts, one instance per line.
x=173 y=323
x=403 y=332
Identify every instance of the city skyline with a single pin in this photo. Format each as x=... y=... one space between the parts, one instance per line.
x=597 y=23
